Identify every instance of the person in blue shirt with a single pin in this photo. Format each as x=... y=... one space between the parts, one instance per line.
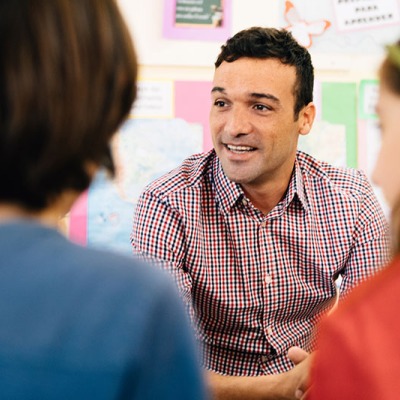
x=76 y=323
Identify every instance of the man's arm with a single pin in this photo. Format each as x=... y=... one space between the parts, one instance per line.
x=158 y=237
x=370 y=251
x=283 y=386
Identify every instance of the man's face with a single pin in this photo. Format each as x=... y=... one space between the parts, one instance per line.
x=387 y=168
x=252 y=121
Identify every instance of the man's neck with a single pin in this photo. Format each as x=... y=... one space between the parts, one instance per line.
x=267 y=196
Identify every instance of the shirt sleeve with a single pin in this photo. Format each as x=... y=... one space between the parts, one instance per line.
x=370 y=250
x=158 y=237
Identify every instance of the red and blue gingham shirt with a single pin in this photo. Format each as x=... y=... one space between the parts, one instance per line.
x=257 y=284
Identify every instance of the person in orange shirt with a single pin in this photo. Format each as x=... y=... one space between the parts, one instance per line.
x=358 y=354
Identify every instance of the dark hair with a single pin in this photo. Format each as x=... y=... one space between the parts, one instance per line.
x=389 y=71
x=389 y=74
x=260 y=42
x=67 y=80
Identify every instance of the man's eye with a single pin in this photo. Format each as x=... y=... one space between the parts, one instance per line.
x=261 y=107
x=219 y=103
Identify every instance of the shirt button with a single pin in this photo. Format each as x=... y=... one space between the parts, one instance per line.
x=269 y=330
x=268 y=279
x=244 y=201
x=264 y=358
x=263 y=224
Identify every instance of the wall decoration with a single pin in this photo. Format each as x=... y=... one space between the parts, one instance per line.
x=197 y=19
x=301 y=29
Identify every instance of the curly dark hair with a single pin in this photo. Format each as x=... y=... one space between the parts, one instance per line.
x=258 y=42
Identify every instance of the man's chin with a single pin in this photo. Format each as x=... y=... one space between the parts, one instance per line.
x=237 y=178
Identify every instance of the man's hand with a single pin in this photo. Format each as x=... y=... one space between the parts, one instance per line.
x=290 y=385
x=302 y=360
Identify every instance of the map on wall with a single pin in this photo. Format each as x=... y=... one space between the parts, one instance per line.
x=143 y=151
x=166 y=129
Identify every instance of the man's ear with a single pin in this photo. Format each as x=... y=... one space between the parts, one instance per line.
x=306 y=118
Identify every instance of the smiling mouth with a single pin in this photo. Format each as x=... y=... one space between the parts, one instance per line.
x=239 y=149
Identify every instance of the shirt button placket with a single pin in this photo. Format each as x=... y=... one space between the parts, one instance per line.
x=267 y=282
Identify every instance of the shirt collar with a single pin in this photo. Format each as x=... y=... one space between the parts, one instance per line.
x=296 y=187
x=228 y=193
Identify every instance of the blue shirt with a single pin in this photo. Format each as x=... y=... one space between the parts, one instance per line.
x=78 y=323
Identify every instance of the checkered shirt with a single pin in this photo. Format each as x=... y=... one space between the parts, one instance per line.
x=257 y=284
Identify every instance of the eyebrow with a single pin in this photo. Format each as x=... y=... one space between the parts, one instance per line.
x=255 y=94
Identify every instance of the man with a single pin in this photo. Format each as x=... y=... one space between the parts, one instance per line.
x=254 y=231
x=76 y=323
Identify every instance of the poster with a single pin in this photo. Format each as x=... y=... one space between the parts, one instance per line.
x=357 y=27
x=163 y=130
x=199 y=13
x=369 y=135
x=365 y=14
x=143 y=150
x=197 y=19
x=333 y=137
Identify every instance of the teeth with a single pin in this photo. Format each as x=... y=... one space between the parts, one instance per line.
x=239 y=148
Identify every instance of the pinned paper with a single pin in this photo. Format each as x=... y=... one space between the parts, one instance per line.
x=301 y=29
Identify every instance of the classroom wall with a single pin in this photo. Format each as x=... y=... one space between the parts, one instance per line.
x=170 y=119
x=163 y=57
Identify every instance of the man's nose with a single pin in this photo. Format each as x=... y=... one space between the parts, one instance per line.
x=238 y=122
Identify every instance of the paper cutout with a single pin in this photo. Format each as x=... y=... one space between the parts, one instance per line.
x=302 y=30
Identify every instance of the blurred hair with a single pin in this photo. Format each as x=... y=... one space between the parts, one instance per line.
x=67 y=80
x=260 y=42
x=389 y=71
x=395 y=228
x=389 y=74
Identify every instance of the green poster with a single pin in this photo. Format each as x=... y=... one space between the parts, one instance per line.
x=369 y=90
x=195 y=13
x=339 y=106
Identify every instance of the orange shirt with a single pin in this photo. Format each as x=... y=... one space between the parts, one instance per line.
x=358 y=353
